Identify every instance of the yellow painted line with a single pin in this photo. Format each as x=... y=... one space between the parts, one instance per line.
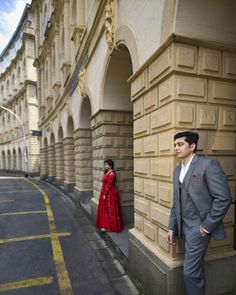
x=62 y=274
x=30 y=238
x=6 y=201
x=26 y=283
x=23 y=213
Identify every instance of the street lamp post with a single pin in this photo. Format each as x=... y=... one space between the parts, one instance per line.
x=24 y=139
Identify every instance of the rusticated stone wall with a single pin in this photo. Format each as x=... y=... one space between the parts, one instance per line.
x=83 y=159
x=69 y=161
x=51 y=162
x=112 y=134
x=184 y=87
x=59 y=151
x=44 y=162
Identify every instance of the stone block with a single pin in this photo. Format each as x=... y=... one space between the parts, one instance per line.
x=206 y=117
x=138 y=147
x=138 y=185
x=159 y=214
x=227 y=118
x=138 y=84
x=221 y=92
x=126 y=130
x=138 y=107
x=209 y=62
x=138 y=222
x=229 y=65
x=150 y=189
x=161 y=239
x=119 y=141
x=166 y=142
x=149 y=230
x=166 y=91
x=126 y=152
x=150 y=145
x=162 y=118
x=190 y=89
x=185 y=58
x=218 y=142
x=229 y=217
x=141 y=126
x=150 y=100
x=141 y=205
x=161 y=168
x=119 y=117
x=184 y=115
x=229 y=166
x=165 y=193
x=110 y=129
x=160 y=66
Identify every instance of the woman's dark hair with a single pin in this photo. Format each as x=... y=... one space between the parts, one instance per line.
x=190 y=137
x=110 y=162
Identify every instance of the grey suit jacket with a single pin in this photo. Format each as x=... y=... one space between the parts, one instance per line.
x=207 y=186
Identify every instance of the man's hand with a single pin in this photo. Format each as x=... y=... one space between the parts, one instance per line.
x=170 y=238
x=202 y=232
x=104 y=198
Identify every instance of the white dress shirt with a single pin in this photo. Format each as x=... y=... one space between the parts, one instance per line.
x=184 y=169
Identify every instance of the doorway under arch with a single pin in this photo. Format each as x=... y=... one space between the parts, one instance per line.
x=84 y=162
x=118 y=126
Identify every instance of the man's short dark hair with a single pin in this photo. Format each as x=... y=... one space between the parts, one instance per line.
x=190 y=137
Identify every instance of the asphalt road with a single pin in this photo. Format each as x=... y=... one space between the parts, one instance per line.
x=48 y=247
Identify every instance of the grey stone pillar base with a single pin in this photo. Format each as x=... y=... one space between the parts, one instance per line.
x=68 y=187
x=128 y=214
x=51 y=178
x=84 y=196
x=59 y=182
x=43 y=176
x=157 y=277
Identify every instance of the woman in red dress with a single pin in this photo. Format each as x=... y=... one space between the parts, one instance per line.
x=109 y=212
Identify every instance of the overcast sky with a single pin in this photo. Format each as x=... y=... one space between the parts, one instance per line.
x=10 y=15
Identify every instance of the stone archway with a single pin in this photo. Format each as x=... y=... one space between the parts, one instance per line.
x=83 y=155
x=69 y=157
x=113 y=136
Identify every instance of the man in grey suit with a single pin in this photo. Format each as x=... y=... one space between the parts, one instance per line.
x=201 y=200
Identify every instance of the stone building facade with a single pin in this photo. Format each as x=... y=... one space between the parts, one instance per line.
x=19 y=150
x=117 y=79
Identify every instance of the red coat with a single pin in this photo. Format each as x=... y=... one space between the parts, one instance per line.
x=109 y=212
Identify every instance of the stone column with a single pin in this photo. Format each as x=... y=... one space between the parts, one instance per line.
x=44 y=163
x=84 y=164
x=186 y=87
x=67 y=30
x=59 y=163
x=112 y=134
x=51 y=163
x=69 y=163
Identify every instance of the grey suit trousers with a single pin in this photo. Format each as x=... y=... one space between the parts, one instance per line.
x=195 y=249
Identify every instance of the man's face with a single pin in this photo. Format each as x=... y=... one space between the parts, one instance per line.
x=182 y=148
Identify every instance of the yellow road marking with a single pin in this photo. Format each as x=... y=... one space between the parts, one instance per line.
x=22 y=213
x=26 y=283
x=6 y=201
x=62 y=274
x=36 y=237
